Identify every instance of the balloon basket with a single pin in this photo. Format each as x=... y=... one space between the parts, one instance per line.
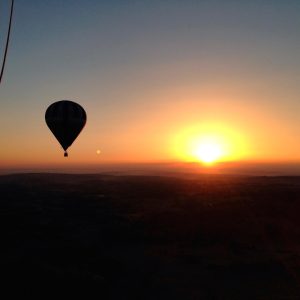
x=66 y=154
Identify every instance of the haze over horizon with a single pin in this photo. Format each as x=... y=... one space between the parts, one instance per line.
x=156 y=78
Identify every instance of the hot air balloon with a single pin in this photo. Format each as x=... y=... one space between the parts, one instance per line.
x=65 y=119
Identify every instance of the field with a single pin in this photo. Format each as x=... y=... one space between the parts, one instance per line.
x=150 y=237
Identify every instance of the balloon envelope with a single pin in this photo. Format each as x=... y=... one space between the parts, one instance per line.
x=65 y=119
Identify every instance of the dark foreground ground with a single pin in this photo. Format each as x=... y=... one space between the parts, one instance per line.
x=141 y=237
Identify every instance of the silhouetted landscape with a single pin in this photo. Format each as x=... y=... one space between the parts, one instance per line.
x=150 y=237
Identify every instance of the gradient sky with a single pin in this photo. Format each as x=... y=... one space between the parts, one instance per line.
x=149 y=75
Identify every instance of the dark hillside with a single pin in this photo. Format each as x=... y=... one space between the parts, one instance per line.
x=150 y=237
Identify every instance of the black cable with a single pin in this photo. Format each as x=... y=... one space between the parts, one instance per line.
x=7 y=40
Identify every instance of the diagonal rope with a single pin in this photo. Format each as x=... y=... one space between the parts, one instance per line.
x=7 y=40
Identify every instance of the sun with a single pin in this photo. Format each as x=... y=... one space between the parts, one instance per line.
x=208 y=152
x=209 y=144
x=206 y=149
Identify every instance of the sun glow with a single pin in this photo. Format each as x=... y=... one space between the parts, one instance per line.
x=208 y=151
x=209 y=144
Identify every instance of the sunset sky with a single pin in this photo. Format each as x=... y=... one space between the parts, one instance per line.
x=156 y=78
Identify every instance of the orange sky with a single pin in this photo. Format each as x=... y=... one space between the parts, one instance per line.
x=151 y=91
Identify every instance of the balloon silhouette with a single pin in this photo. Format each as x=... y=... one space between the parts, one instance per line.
x=65 y=119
